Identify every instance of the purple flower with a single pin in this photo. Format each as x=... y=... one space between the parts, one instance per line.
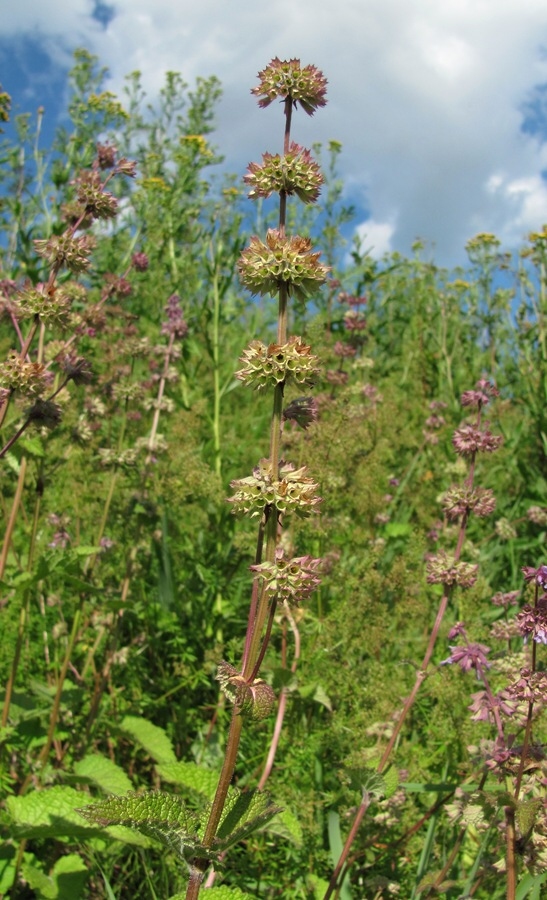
x=470 y=656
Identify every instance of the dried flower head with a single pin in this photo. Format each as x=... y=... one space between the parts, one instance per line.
x=264 y=268
x=460 y=500
x=29 y=378
x=505 y=530
x=174 y=323
x=140 y=262
x=302 y=410
x=289 y=580
x=51 y=306
x=66 y=250
x=95 y=201
x=285 y=79
x=44 y=413
x=443 y=569
x=293 y=491
x=294 y=173
x=106 y=156
x=270 y=365
x=77 y=369
x=530 y=687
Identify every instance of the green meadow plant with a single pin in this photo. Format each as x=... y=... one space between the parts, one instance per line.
x=282 y=266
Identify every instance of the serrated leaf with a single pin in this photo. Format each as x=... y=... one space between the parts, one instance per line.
x=104 y=773
x=86 y=551
x=243 y=814
x=190 y=775
x=286 y=825
x=391 y=781
x=321 y=696
x=129 y=836
x=318 y=885
x=41 y=883
x=163 y=817
x=33 y=446
x=150 y=737
x=66 y=881
x=526 y=814
x=222 y=892
x=70 y=874
x=49 y=813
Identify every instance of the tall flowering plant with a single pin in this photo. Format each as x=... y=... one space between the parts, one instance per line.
x=285 y=267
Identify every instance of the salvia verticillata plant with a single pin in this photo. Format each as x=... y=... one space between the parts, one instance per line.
x=445 y=568
x=283 y=266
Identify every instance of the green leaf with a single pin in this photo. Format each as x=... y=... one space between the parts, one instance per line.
x=7 y=868
x=49 y=813
x=151 y=738
x=336 y=846
x=526 y=814
x=66 y=882
x=41 y=883
x=223 y=892
x=243 y=814
x=104 y=773
x=162 y=817
x=70 y=874
x=391 y=781
x=190 y=775
x=397 y=529
x=318 y=885
x=33 y=446
x=287 y=826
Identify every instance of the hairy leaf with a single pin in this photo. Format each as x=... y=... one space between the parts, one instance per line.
x=151 y=738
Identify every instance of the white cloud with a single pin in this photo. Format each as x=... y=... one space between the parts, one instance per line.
x=425 y=96
x=376 y=238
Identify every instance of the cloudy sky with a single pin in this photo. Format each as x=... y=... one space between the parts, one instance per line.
x=441 y=105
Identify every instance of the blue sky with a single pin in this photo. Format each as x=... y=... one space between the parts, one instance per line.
x=441 y=105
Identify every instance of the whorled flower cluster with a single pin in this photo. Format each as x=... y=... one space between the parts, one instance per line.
x=460 y=500
x=286 y=79
x=468 y=440
x=294 y=173
x=293 y=491
x=92 y=197
x=291 y=580
x=29 y=378
x=66 y=250
x=532 y=621
x=256 y=699
x=270 y=365
x=265 y=267
x=51 y=306
x=443 y=569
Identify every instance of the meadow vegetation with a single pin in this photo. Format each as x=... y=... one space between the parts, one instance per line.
x=372 y=600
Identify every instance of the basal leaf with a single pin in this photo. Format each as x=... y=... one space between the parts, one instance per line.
x=50 y=813
x=286 y=825
x=223 y=892
x=151 y=738
x=190 y=775
x=104 y=773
